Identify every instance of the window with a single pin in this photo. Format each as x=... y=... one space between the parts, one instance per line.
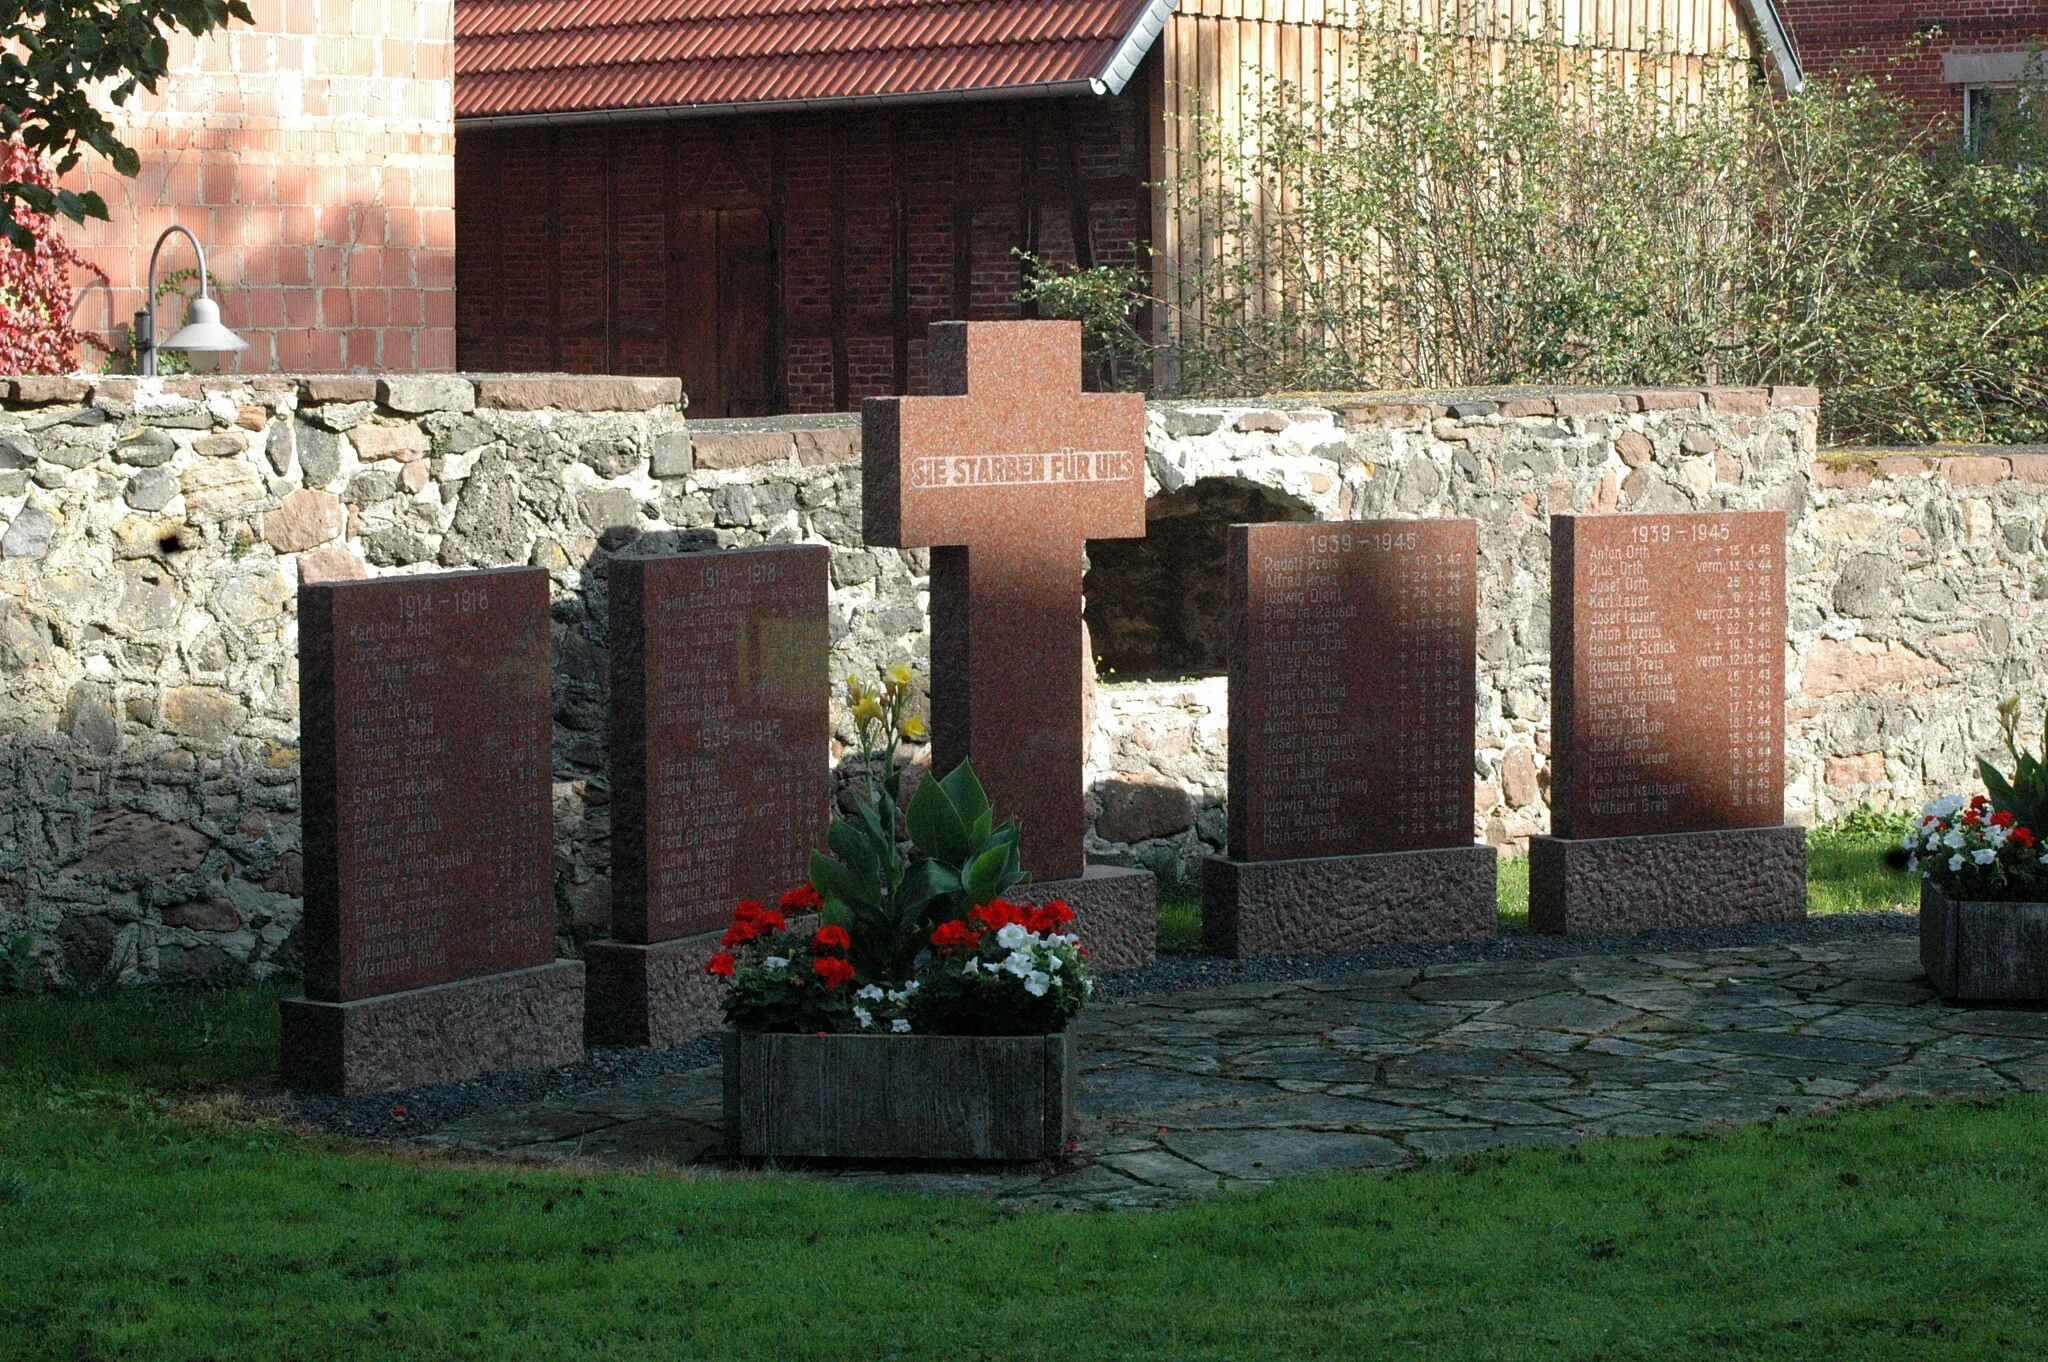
x=1997 y=117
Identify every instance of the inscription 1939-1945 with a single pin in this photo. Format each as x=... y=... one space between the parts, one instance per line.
x=720 y=776
x=425 y=714
x=1352 y=684
x=1668 y=666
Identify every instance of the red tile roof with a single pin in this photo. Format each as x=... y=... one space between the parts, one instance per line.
x=525 y=58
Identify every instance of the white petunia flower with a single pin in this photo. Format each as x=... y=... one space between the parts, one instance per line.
x=1013 y=936
x=1955 y=862
x=871 y=992
x=1019 y=963
x=1954 y=840
x=973 y=966
x=1985 y=856
x=1945 y=806
x=1912 y=863
x=1088 y=985
x=864 y=1017
x=1933 y=842
x=900 y=1025
x=1037 y=983
x=776 y=962
x=1996 y=835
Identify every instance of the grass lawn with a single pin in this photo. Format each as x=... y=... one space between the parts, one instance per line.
x=1845 y=873
x=143 y=1217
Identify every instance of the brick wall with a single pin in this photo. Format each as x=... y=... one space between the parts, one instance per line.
x=313 y=153
x=1903 y=42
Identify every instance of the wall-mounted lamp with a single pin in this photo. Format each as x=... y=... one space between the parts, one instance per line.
x=202 y=337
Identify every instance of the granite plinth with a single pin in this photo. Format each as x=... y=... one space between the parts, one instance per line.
x=1005 y=472
x=1349 y=903
x=1976 y=951
x=1116 y=913
x=655 y=994
x=1682 y=879
x=520 y=1019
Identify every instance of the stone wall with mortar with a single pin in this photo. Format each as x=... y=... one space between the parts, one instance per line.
x=152 y=532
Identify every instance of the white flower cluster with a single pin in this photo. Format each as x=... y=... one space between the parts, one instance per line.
x=895 y=999
x=1956 y=832
x=1034 y=958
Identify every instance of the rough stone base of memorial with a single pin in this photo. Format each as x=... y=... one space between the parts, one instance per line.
x=521 y=1019
x=1116 y=912
x=1348 y=903
x=651 y=995
x=1678 y=879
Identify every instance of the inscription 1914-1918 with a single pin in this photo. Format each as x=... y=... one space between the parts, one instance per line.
x=424 y=708
x=720 y=781
x=1351 y=687
x=1668 y=666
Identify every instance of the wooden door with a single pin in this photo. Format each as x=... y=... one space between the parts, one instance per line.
x=725 y=299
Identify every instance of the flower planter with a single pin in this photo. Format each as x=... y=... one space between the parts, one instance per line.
x=997 y=1098
x=1984 y=952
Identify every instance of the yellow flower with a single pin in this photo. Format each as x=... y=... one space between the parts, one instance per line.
x=899 y=676
x=867 y=709
x=913 y=728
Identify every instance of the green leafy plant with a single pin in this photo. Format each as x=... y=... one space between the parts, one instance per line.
x=889 y=877
x=21 y=968
x=2025 y=795
x=1104 y=299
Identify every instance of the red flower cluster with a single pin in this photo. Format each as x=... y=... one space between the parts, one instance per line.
x=802 y=899
x=1001 y=913
x=833 y=971
x=831 y=939
x=750 y=920
x=721 y=964
x=951 y=935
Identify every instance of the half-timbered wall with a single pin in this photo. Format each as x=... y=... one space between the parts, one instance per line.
x=782 y=262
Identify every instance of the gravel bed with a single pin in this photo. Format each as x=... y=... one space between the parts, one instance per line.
x=421 y=1111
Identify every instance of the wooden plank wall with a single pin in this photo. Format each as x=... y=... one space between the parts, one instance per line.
x=1221 y=55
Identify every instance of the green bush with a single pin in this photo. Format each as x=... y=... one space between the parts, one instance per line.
x=1442 y=223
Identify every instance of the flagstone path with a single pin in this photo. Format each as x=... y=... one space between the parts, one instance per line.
x=1184 y=1093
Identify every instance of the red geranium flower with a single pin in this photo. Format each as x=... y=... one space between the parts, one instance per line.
x=834 y=972
x=2020 y=837
x=802 y=899
x=721 y=965
x=954 y=934
x=831 y=939
x=2002 y=819
x=1049 y=918
x=998 y=914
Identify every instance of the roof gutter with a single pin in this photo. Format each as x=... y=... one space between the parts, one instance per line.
x=1769 y=25
x=1122 y=65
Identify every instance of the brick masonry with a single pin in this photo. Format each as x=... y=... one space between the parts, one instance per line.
x=314 y=155
x=1902 y=43
x=152 y=535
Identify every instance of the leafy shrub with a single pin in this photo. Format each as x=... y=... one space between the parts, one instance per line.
x=1445 y=222
x=36 y=294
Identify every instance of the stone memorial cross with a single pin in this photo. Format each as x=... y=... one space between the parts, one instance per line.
x=1005 y=472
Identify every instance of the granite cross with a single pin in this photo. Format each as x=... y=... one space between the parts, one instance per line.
x=1005 y=473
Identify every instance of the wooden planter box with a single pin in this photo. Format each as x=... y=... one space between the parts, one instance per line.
x=898 y=1097
x=1984 y=952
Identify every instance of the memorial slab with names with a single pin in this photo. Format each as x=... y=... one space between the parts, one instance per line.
x=1667 y=726
x=1004 y=473
x=426 y=736
x=720 y=770
x=1353 y=677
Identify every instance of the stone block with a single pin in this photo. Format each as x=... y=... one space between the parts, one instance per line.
x=1387 y=414
x=672 y=456
x=1738 y=401
x=319 y=389
x=1863 y=768
x=1528 y=406
x=1666 y=399
x=1141 y=807
x=1264 y=420
x=29 y=534
x=1838 y=666
x=521 y=1019
x=221 y=487
x=740 y=449
x=404 y=441
x=306 y=520
x=122 y=839
x=1845 y=478
x=576 y=392
x=1347 y=903
x=1665 y=881
x=651 y=995
x=1634 y=447
x=1902 y=466
x=1795 y=397
x=416 y=394
x=1585 y=404
x=36 y=390
x=2030 y=467
x=1116 y=912
x=833 y=444
x=1973 y=471
x=332 y=564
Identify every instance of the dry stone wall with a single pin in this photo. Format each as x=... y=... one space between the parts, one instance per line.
x=152 y=533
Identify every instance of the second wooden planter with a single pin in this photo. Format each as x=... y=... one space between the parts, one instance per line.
x=1984 y=952
x=995 y=1098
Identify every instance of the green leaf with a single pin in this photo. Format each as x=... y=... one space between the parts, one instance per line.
x=964 y=790
x=935 y=824
x=984 y=877
x=856 y=850
x=836 y=883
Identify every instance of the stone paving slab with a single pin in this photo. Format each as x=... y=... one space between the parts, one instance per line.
x=1183 y=1094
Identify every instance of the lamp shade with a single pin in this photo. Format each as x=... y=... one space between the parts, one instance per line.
x=203 y=333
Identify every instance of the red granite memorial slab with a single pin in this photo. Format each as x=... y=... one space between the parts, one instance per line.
x=1352 y=683
x=720 y=769
x=1005 y=473
x=1667 y=723
x=429 y=832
